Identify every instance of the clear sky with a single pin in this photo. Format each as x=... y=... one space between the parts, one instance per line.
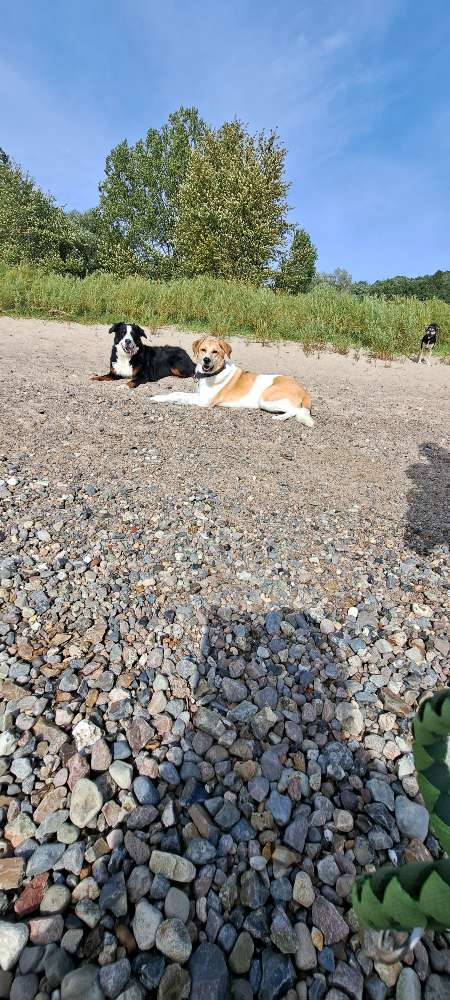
x=358 y=90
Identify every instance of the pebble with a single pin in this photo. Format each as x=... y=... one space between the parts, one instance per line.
x=412 y=819
x=209 y=973
x=85 y=803
x=172 y=866
x=173 y=940
x=145 y=924
x=13 y=938
x=303 y=891
x=189 y=784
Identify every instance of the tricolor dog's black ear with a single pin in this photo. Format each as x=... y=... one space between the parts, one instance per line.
x=116 y=328
x=138 y=331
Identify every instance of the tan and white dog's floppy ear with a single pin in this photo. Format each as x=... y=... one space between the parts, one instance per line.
x=226 y=348
x=196 y=346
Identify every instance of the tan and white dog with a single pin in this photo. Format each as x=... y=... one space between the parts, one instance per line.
x=221 y=383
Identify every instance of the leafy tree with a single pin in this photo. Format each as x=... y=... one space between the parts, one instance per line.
x=298 y=267
x=139 y=196
x=89 y=227
x=34 y=229
x=232 y=205
x=423 y=287
x=340 y=278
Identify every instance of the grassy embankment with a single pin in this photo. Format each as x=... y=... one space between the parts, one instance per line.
x=323 y=317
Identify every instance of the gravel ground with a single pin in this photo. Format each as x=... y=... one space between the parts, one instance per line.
x=213 y=632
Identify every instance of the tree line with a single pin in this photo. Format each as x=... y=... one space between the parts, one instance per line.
x=185 y=200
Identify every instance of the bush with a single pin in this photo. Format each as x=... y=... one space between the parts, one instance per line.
x=323 y=316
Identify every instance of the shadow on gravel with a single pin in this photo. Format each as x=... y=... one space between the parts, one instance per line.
x=428 y=517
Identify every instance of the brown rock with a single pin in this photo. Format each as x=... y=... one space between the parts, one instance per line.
x=11 y=692
x=95 y=633
x=78 y=768
x=21 y=828
x=11 y=872
x=138 y=733
x=25 y=651
x=51 y=734
x=100 y=756
x=51 y=802
x=416 y=851
x=32 y=895
x=46 y=930
x=125 y=938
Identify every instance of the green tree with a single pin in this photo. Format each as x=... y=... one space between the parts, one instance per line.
x=340 y=278
x=34 y=229
x=139 y=196
x=232 y=205
x=298 y=267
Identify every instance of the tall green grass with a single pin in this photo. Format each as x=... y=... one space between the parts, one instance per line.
x=325 y=316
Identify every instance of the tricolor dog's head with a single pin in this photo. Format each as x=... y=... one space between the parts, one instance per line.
x=127 y=337
x=211 y=353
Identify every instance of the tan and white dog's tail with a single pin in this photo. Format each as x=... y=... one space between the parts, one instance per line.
x=303 y=415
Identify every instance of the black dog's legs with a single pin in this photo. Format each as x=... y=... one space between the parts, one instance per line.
x=110 y=377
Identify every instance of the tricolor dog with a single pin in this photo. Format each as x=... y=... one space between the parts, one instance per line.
x=428 y=342
x=133 y=360
x=221 y=383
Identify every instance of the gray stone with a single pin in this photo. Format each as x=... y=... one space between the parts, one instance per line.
x=241 y=956
x=56 y=899
x=305 y=954
x=145 y=791
x=151 y=972
x=200 y=851
x=85 y=803
x=139 y=883
x=280 y=806
x=82 y=982
x=327 y=918
x=121 y=773
x=381 y=791
x=282 y=933
x=176 y=904
x=328 y=870
x=408 y=985
x=172 y=866
x=209 y=722
x=303 y=891
x=278 y=975
x=44 y=858
x=209 y=974
x=254 y=893
x=350 y=717
x=175 y=984
x=348 y=979
x=114 y=977
x=146 y=921
x=412 y=819
x=172 y=939
x=295 y=834
x=57 y=965
x=113 y=895
x=24 y=987
x=437 y=988
x=259 y=788
x=13 y=938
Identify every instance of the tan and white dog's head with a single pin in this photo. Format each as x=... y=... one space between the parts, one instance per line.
x=211 y=353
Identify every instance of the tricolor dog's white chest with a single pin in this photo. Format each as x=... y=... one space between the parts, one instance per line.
x=121 y=366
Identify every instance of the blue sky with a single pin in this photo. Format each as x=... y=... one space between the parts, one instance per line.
x=358 y=90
